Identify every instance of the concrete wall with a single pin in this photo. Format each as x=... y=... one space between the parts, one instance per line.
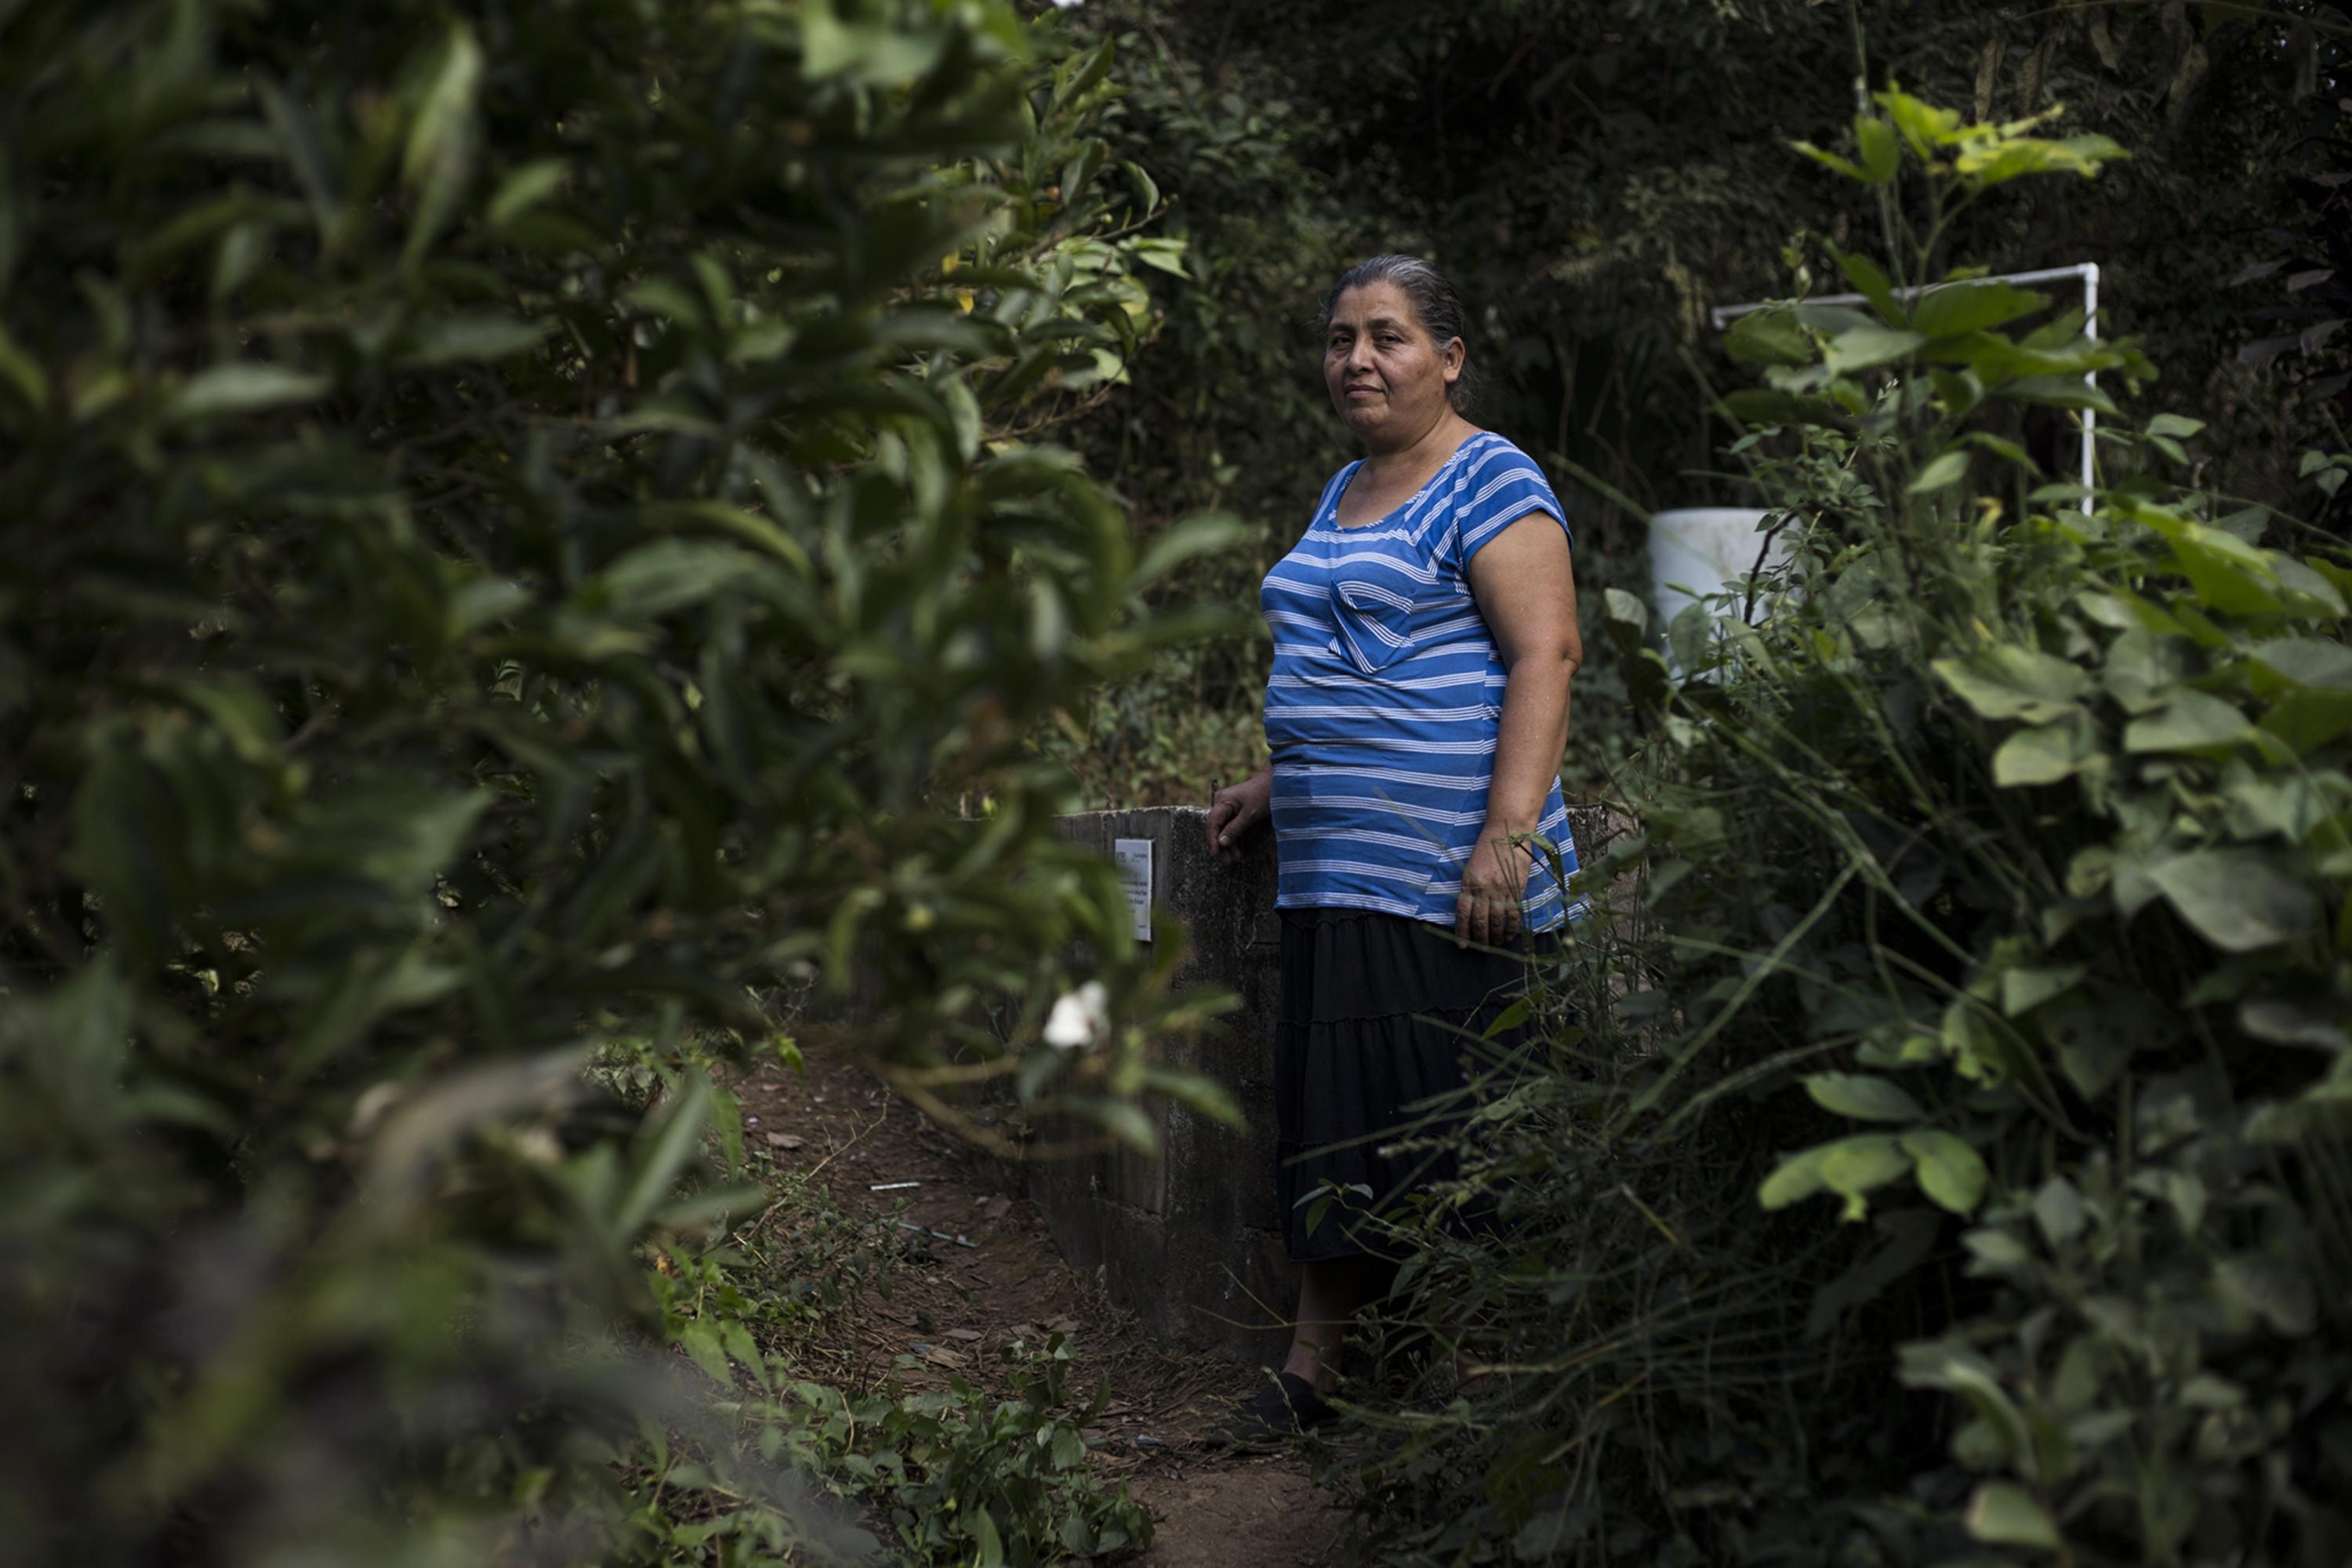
x=1191 y=1239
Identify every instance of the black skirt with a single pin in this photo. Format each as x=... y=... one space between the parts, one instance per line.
x=1376 y=1048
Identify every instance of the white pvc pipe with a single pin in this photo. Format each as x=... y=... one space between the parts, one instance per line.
x=2086 y=271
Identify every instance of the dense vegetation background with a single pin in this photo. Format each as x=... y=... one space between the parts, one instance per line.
x=1595 y=176
x=543 y=536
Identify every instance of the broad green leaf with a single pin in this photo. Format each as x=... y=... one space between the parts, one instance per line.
x=1958 y=1370
x=873 y=54
x=1882 y=154
x=2312 y=595
x=1854 y=1167
x=1871 y=282
x=1769 y=336
x=1924 y=126
x=2320 y=1023
x=1830 y=320
x=2060 y=391
x=2174 y=424
x=2240 y=901
x=2191 y=721
x=2304 y=661
x=2307 y=719
x=2022 y=990
x=1999 y=161
x=1976 y=1050
x=2278 y=1292
x=1864 y=348
x=1760 y=405
x=1861 y=1097
x=2144 y=671
x=2006 y=681
x=2058 y=1211
x=2227 y=573
x=2044 y=755
x=1948 y=1171
x=2003 y=1513
x=700 y=1341
x=1959 y=390
x=1959 y=308
x=1796 y=1177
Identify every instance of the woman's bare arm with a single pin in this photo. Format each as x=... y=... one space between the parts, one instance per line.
x=1526 y=587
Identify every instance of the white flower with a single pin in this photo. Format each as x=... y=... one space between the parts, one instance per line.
x=1080 y=1018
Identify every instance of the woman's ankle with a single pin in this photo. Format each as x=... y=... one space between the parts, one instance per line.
x=1305 y=1363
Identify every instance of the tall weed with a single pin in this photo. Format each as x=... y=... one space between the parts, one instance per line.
x=1971 y=1183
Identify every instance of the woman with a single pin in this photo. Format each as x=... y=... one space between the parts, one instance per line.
x=1425 y=632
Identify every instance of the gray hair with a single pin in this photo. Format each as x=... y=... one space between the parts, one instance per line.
x=1435 y=304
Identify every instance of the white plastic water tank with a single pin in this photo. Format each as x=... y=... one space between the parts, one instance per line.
x=1696 y=551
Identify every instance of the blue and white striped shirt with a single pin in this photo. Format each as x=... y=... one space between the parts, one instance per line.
x=1387 y=695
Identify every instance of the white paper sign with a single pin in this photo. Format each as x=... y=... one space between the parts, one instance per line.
x=1134 y=858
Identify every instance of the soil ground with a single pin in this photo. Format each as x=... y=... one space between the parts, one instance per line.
x=982 y=1271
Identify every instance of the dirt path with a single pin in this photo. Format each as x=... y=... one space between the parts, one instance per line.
x=982 y=1271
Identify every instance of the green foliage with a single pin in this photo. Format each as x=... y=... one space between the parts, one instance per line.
x=965 y=1478
x=1595 y=176
x=771 y=1469
x=2004 y=863
x=521 y=547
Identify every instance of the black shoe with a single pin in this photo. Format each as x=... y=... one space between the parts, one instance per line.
x=1283 y=1409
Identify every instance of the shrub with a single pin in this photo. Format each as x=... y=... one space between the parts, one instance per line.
x=520 y=540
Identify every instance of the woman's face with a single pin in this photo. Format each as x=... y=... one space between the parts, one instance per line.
x=1387 y=376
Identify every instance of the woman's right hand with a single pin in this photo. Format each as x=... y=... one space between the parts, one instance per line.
x=1235 y=809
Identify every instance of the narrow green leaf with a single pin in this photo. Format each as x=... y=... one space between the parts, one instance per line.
x=243 y=387
x=22 y=371
x=665 y=1143
x=439 y=157
x=1946 y=470
x=1845 y=166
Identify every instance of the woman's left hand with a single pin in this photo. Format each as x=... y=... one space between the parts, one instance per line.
x=1494 y=885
